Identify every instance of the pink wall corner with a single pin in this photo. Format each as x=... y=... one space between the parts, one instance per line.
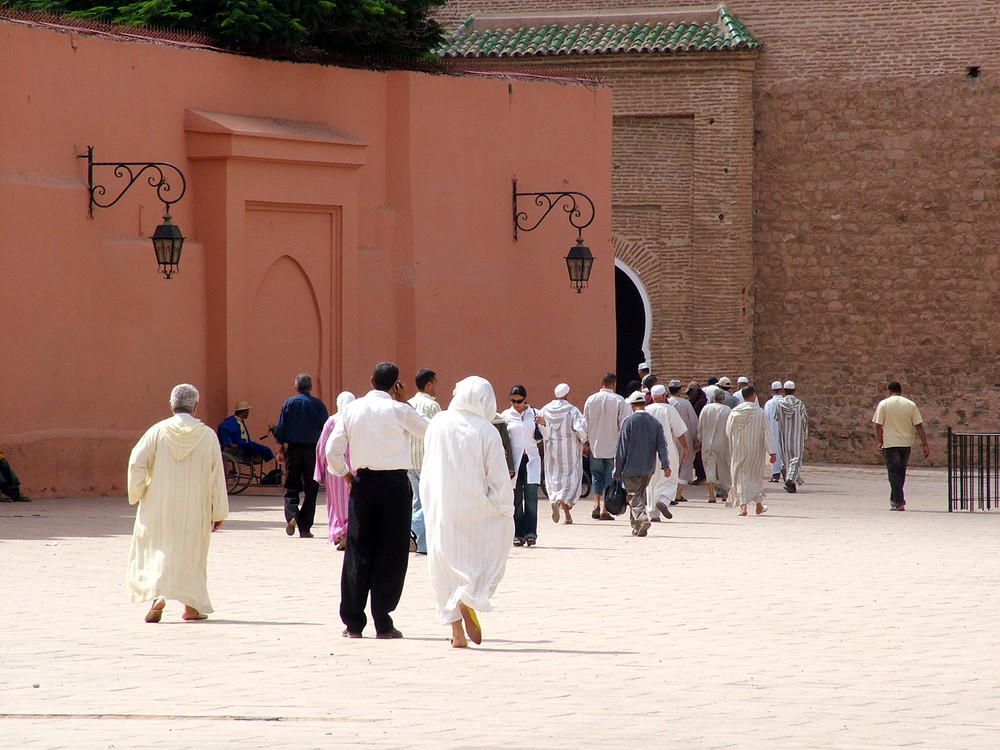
x=407 y=256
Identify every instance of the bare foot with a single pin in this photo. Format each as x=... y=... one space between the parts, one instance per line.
x=743 y=510
x=190 y=613
x=156 y=610
x=569 y=518
x=458 y=639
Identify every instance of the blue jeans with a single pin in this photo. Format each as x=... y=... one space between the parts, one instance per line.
x=525 y=505
x=600 y=475
x=417 y=519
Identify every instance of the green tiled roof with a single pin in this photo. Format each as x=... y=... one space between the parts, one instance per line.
x=698 y=30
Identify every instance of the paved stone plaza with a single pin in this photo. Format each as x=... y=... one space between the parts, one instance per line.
x=827 y=623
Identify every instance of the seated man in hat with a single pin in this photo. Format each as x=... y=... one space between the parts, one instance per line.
x=233 y=434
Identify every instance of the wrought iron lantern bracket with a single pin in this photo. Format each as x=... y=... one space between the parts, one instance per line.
x=576 y=205
x=167 y=239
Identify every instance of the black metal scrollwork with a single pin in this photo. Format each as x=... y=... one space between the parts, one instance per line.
x=567 y=199
x=157 y=176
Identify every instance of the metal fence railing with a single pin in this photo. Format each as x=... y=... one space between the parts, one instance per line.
x=973 y=470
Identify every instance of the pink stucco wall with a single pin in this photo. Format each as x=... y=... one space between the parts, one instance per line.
x=333 y=218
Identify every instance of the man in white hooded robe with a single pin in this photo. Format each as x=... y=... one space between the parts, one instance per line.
x=176 y=478
x=468 y=504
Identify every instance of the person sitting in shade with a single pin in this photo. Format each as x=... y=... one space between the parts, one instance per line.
x=233 y=434
x=10 y=485
x=468 y=508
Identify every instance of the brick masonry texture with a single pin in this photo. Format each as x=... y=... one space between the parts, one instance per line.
x=870 y=253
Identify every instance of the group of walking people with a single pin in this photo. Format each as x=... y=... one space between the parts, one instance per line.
x=461 y=484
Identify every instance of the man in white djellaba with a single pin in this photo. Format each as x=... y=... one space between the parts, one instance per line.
x=175 y=476
x=662 y=490
x=769 y=410
x=751 y=447
x=468 y=508
x=564 y=431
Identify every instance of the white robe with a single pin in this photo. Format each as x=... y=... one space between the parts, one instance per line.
x=750 y=446
x=175 y=475
x=686 y=473
x=661 y=487
x=769 y=411
x=715 y=444
x=468 y=501
x=564 y=433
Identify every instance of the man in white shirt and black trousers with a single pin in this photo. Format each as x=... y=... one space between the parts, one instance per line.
x=377 y=427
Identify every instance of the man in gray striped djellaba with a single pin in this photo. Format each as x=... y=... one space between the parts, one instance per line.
x=793 y=429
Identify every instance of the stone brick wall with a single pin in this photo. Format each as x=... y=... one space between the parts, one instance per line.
x=875 y=197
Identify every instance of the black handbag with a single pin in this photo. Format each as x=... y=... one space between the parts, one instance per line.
x=615 y=499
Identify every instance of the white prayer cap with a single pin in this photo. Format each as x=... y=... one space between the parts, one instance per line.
x=675 y=383
x=561 y=390
x=658 y=390
x=637 y=397
x=742 y=379
x=790 y=385
x=776 y=385
x=644 y=366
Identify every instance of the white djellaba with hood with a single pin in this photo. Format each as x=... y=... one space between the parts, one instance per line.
x=750 y=447
x=175 y=475
x=468 y=501
x=564 y=433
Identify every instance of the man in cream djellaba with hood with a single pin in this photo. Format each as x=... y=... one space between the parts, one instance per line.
x=175 y=476
x=468 y=508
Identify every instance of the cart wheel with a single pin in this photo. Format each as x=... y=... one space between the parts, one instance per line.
x=585 y=485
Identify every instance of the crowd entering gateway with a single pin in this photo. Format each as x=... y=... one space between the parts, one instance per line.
x=461 y=484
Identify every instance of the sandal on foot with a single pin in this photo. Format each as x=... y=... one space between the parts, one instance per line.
x=155 y=613
x=472 y=626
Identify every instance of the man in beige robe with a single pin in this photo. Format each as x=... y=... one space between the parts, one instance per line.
x=714 y=445
x=751 y=448
x=175 y=476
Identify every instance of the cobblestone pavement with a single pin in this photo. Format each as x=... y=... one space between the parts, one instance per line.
x=829 y=622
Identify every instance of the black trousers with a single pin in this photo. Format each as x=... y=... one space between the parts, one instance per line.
x=378 y=547
x=896 y=460
x=300 y=464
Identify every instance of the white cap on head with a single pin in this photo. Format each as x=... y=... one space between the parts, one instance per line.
x=637 y=397
x=789 y=385
x=776 y=385
x=644 y=366
x=742 y=379
x=725 y=382
x=561 y=390
x=658 y=390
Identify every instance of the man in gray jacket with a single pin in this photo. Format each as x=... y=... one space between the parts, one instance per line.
x=640 y=442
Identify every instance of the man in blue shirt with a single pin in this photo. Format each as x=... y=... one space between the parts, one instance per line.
x=233 y=433
x=298 y=430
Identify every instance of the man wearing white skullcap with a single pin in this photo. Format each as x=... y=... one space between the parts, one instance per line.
x=564 y=431
x=741 y=381
x=769 y=410
x=662 y=490
x=793 y=429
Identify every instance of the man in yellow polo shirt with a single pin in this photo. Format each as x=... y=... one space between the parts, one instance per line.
x=895 y=420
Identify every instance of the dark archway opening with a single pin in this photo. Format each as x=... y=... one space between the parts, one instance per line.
x=630 y=315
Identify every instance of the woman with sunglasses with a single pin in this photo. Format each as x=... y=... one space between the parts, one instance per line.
x=520 y=421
